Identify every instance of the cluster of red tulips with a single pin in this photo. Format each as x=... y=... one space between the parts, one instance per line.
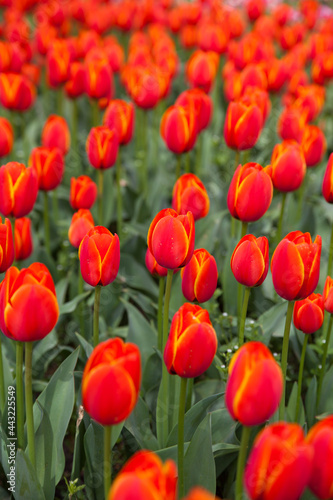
x=243 y=94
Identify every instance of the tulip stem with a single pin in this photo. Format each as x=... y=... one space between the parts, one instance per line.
x=107 y=459
x=284 y=357
x=159 y=314
x=55 y=205
x=178 y=166
x=198 y=157
x=80 y=290
x=243 y=316
x=47 y=223
x=330 y=255
x=95 y=112
x=19 y=394
x=144 y=168
x=244 y=229
x=60 y=101
x=75 y=112
x=119 y=198
x=162 y=409
x=96 y=315
x=189 y=394
x=100 y=180
x=279 y=228
x=300 y=377
x=29 y=403
x=188 y=163
x=2 y=382
x=181 y=419
x=323 y=362
x=246 y=431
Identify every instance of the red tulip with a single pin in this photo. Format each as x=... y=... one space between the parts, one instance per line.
x=75 y=85
x=199 y=276
x=119 y=115
x=179 y=128
x=320 y=439
x=58 y=63
x=83 y=192
x=250 y=260
x=292 y=123
x=152 y=266
x=6 y=137
x=18 y=189
x=55 y=134
x=115 y=364
x=327 y=187
x=6 y=245
x=242 y=126
x=313 y=145
x=28 y=303
x=49 y=166
x=102 y=147
x=81 y=223
x=199 y=493
x=201 y=69
x=23 y=238
x=190 y=195
x=328 y=295
x=309 y=313
x=99 y=77
x=288 y=166
x=17 y=92
x=202 y=103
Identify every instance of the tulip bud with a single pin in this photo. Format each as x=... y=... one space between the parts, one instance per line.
x=190 y=330
x=190 y=195
x=83 y=192
x=199 y=276
x=119 y=115
x=18 y=189
x=179 y=128
x=288 y=166
x=49 y=166
x=82 y=222
x=253 y=372
x=199 y=493
x=309 y=313
x=327 y=187
x=313 y=145
x=295 y=265
x=102 y=147
x=115 y=364
x=242 y=125
x=6 y=245
x=250 y=260
x=6 y=137
x=55 y=134
x=23 y=238
x=320 y=439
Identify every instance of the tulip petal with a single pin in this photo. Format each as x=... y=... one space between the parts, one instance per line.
x=287 y=270
x=90 y=261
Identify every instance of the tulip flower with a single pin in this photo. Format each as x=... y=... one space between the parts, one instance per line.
x=179 y=128
x=199 y=493
x=328 y=306
x=102 y=147
x=242 y=125
x=288 y=166
x=279 y=453
x=18 y=189
x=17 y=92
x=255 y=9
x=201 y=69
x=327 y=186
x=81 y=223
x=58 y=63
x=49 y=165
x=320 y=439
x=152 y=266
x=190 y=195
x=119 y=115
x=250 y=192
x=75 y=84
x=147 y=476
x=6 y=137
x=213 y=37
x=23 y=238
x=55 y=134
x=313 y=145
x=99 y=77
x=6 y=245
x=199 y=276
x=83 y=192
x=291 y=124
x=202 y=104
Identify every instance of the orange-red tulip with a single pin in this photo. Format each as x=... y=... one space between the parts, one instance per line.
x=99 y=255
x=190 y=195
x=291 y=124
x=250 y=260
x=28 y=303
x=23 y=238
x=328 y=295
x=199 y=276
x=6 y=137
x=295 y=265
x=320 y=439
x=190 y=330
x=313 y=145
x=6 y=245
x=81 y=223
x=201 y=69
x=255 y=8
x=253 y=372
x=242 y=126
x=152 y=266
x=102 y=147
x=115 y=364
x=279 y=453
x=119 y=115
x=57 y=63
x=288 y=166
x=309 y=313
x=199 y=493
x=83 y=192
x=17 y=92
x=49 y=166
x=202 y=104
x=179 y=128
x=99 y=77
x=75 y=85
x=327 y=187
x=18 y=189
x=55 y=134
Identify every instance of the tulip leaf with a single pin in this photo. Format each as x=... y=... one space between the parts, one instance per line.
x=229 y=283
x=41 y=353
x=273 y=321
x=70 y=306
x=326 y=397
x=88 y=348
x=93 y=473
x=223 y=449
x=223 y=427
x=140 y=332
x=136 y=276
x=291 y=408
x=138 y=424
x=52 y=412
x=171 y=452
x=3 y=448
x=310 y=399
x=199 y=465
x=27 y=485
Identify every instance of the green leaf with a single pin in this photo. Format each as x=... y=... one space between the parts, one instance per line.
x=223 y=449
x=310 y=402
x=272 y=322
x=3 y=449
x=93 y=472
x=41 y=352
x=152 y=372
x=229 y=283
x=291 y=408
x=61 y=289
x=223 y=427
x=138 y=424
x=88 y=348
x=136 y=276
x=140 y=332
x=326 y=397
x=199 y=466
x=70 y=306
x=171 y=452
x=27 y=485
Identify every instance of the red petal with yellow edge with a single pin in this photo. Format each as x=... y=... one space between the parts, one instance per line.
x=6 y=192
x=90 y=261
x=111 y=262
x=206 y=282
x=25 y=192
x=247 y=263
x=248 y=128
x=287 y=270
x=130 y=486
x=254 y=196
x=189 y=275
x=163 y=213
x=170 y=243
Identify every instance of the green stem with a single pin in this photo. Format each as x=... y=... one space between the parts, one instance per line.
x=144 y=171
x=75 y=112
x=188 y=163
x=60 y=101
x=246 y=431
x=300 y=377
x=29 y=402
x=100 y=182
x=162 y=410
x=47 y=223
x=323 y=362
x=243 y=316
x=2 y=381
x=119 y=198
x=189 y=394
x=96 y=315
x=233 y=227
x=107 y=459
x=181 y=419
x=160 y=315
x=198 y=158
x=55 y=205
x=279 y=228
x=301 y=192
x=80 y=290
x=237 y=158
x=284 y=357
x=244 y=229
x=178 y=166
x=19 y=394
x=95 y=113
x=330 y=255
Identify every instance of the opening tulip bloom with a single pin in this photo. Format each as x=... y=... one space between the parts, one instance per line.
x=83 y=192
x=202 y=104
x=250 y=192
x=320 y=438
x=190 y=330
x=309 y=313
x=18 y=189
x=23 y=238
x=242 y=126
x=295 y=265
x=327 y=187
x=288 y=166
x=148 y=477
x=81 y=223
x=313 y=145
x=49 y=165
x=190 y=195
x=102 y=147
x=279 y=453
x=250 y=260
x=28 y=303
x=171 y=238
x=55 y=134
x=117 y=365
x=119 y=115
x=199 y=276
x=6 y=245
x=253 y=372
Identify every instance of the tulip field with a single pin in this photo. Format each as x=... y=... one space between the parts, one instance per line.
x=166 y=250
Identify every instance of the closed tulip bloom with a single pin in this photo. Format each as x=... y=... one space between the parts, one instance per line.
x=199 y=276
x=152 y=266
x=102 y=147
x=28 y=303
x=147 y=476
x=83 y=192
x=18 y=189
x=6 y=137
x=279 y=452
x=291 y=124
x=320 y=439
x=55 y=134
x=179 y=128
x=313 y=145
x=23 y=238
x=117 y=365
x=99 y=76
x=99 y=255
x=75 y=85
x=295 y=265
x=190 y=330
x=309 y=313
x=189 y=194
x=328 y=295
x=250 y=192
x=199 y=493
x=288 y=166
x=58 y=63
x=202 y=103
x=119 y=115
x=145 y=88
x=17 y=92
x=201 y=69
x=81 y=223
x=250 y=260
x=242 y=125
x=327 y=186
x=171 y=238
x=253 y=372
x=6 y=245
x=49 y=166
